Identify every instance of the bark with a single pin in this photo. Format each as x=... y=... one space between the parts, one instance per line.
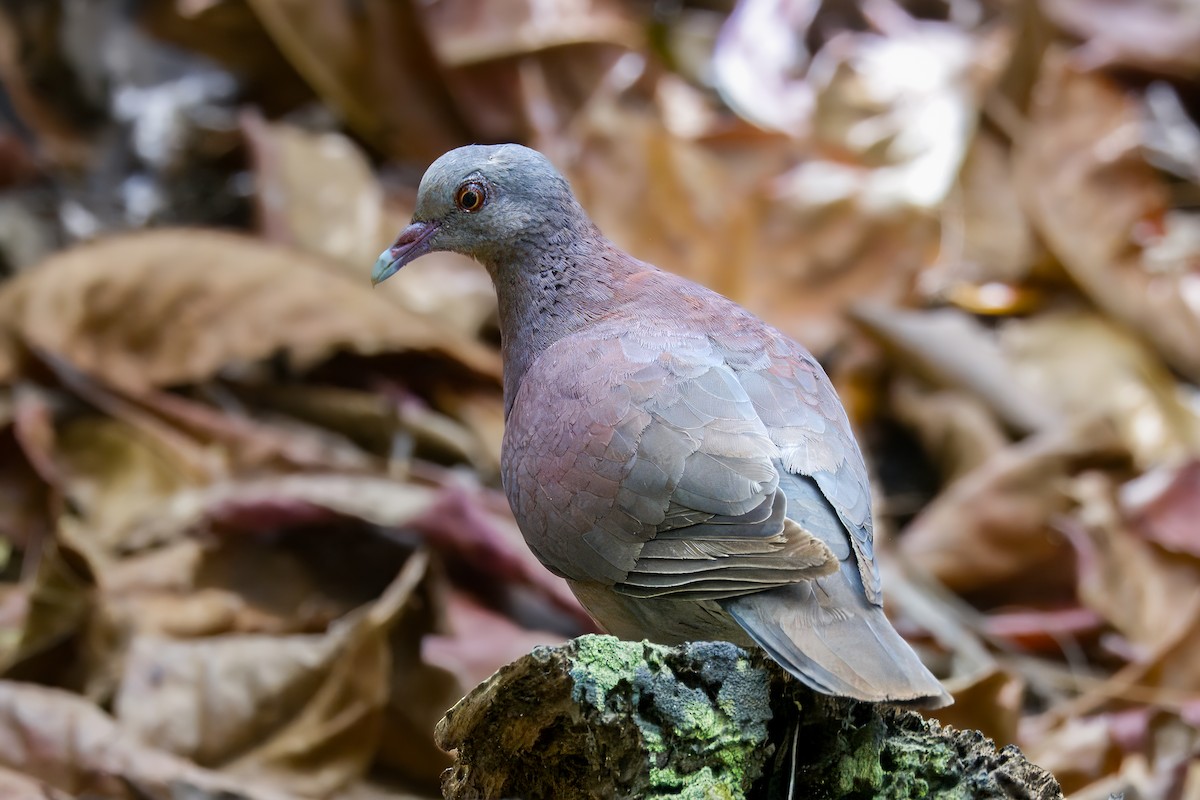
x=599 y=717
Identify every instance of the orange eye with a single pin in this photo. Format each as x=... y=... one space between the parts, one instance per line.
x=470 y=196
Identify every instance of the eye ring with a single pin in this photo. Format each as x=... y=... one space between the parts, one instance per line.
x=470 y=197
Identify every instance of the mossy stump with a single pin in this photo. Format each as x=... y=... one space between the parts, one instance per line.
x=599 y=717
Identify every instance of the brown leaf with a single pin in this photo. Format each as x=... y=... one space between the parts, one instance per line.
x=481 y=641
x=1157 y=35
x=951 y=349
x=292 y=498
x=318 y=193
x=73 y=746
x=719 y=216
x=955 y=428
x=301 y=712
x=177 y=306
x=1113 y=376
x=1134 y=584
x=994 y=525
x=25 y=502
x=989 y=702
x=1097 y=204
x=333 y=739
x=372 y=63
x=252 y=442
x=518 y=68
x=59 y=600
x=987 y=237
x=14 y=786
x=237 y=585
x=472 y=31
x=114 y=478
x=1163 y=506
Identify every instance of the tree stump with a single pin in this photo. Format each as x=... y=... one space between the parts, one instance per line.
x=603 y=718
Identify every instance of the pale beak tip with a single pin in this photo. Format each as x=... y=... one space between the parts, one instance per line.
x=385 y=267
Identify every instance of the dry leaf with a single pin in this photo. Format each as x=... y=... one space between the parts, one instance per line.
x=113 y=478
x=472 y=31
x=949 y=348
x=759 y=54
x=25 y=499
x=318 y=193
x=985 y=235
x=178 y=306
x=994 y=525
x=70 y=744
x=57 y=608
x=371 y=62
x=14 y=786
x=1113 y=376
x=718 y=217
x=1134 y=584
x=480 y=641
x=1156 y=35
x=252 y=442
x=989 y=702
x=1097 y=203
x=520 y=67
x=954 y=427
x=332 y=740
x=303 y=711
x=1163 y=506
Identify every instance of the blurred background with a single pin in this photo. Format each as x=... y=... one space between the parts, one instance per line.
x=251 y=539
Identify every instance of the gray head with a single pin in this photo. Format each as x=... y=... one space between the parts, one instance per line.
x=490 y=202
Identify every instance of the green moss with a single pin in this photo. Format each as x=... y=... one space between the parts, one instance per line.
x=697 y=748
x=858 y=768
x=701 y=785
x=922 y=768
x=600 y=664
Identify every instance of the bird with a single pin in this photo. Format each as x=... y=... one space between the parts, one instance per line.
x=687 y=468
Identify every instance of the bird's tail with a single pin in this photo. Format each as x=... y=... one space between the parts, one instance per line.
x=828 y=635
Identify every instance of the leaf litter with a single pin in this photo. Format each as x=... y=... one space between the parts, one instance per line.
x=251 y=538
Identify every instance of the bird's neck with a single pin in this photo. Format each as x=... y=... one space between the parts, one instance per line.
x=553 y=293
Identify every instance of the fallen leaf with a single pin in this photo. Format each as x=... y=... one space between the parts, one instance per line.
x=1163 y=504
x=480 y=641
x=758 y=57
x=331 y=742
x=370 y=61
x=1097 y=203
x=1132 y=583
x=1043 y=630
x=26 y=516
x=316 y=191
x=989 y=702
x=59 y=600
x=113 y=478
x=14 y=786
x=994 y=526
x=1113 y=376
x=954 y=427
x=279 y=500
x=951 y=349
x=70 y=744
x=719 y=216
x=986 y=237
x=516 y=67
x=299 y=711
x=1077 y=752
x=1156 y=35
x=178 y=306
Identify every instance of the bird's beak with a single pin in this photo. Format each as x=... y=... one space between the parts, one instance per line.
x=412 y=242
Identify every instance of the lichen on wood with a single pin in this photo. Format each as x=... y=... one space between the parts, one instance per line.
x=600 y=717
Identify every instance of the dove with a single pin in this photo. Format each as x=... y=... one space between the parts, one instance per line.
x=687 y=468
